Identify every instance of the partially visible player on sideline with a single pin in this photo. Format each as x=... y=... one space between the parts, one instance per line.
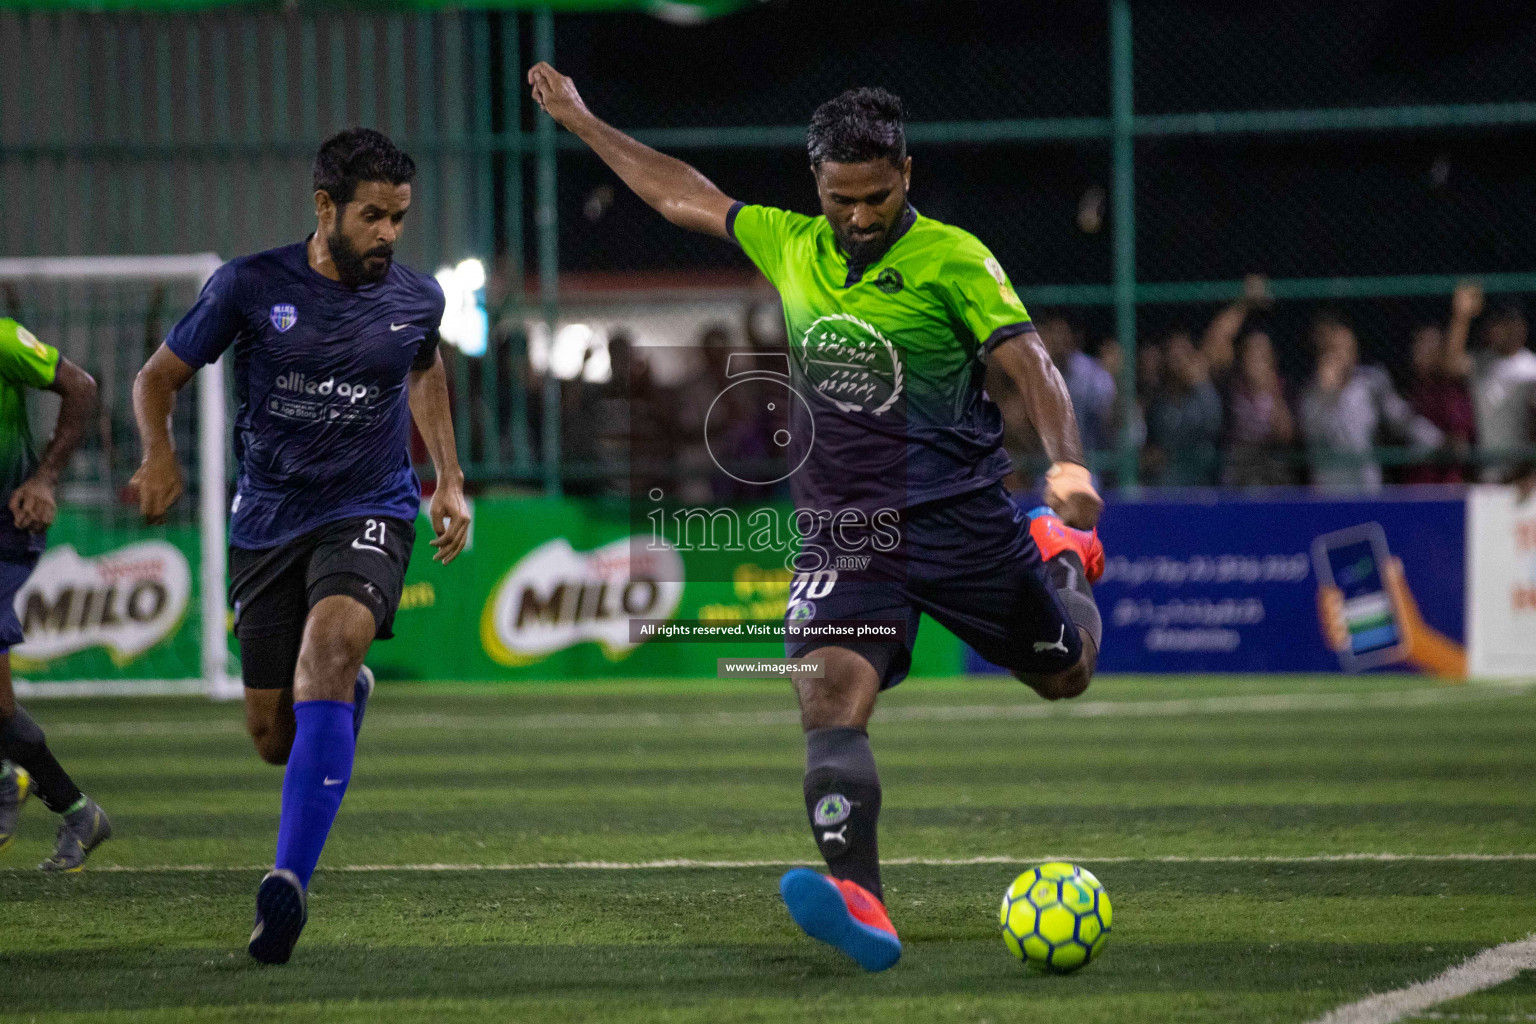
x=336 y=351
x=872 y=284
x=26 y=763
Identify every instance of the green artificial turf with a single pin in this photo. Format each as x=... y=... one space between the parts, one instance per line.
x=494 y=780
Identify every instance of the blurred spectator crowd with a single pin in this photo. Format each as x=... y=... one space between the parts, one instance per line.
x=671 y=415
x=1212 y=407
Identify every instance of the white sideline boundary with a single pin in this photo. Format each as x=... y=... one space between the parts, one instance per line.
x=692 y=864
x=110 y=688
x=1491 y=967
x=1239 y=704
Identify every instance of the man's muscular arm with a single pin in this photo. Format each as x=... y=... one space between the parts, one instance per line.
x=32 y=504
x=449 y=512
x=158 y=479
x=670 y=187
x=1038 y=392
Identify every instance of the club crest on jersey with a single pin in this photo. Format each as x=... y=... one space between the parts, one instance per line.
x=889 y=281
x=848 y=362
x=283 y=316
x=832 y=809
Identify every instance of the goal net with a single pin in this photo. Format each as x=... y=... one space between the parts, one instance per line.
x=115 y=606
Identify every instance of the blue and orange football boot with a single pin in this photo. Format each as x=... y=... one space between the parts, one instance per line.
x=1052 y=537
x=842 y=914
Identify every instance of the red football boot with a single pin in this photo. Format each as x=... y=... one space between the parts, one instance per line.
x=1052 y=537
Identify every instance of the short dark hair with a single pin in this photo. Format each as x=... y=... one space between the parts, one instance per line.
x=356 y=155
x=858 y=126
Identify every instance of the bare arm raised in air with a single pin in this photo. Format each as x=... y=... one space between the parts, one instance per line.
x=1466 y=304
x=670 y=187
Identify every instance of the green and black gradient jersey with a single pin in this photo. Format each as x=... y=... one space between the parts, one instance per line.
x=25 y=363
x=890 y=358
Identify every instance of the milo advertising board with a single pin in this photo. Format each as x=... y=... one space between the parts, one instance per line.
x=108 y=603
x=547 y=590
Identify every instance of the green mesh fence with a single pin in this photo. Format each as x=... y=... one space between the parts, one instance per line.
x=109 y=327
x=1128 y=162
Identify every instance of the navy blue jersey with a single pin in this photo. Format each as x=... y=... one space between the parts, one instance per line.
x=321 y=369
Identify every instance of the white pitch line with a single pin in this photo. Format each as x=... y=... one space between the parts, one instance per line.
x=1485 y=970
x=1239 y=704
x=689 y=863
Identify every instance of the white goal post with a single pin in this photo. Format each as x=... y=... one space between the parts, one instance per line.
x=95 y=309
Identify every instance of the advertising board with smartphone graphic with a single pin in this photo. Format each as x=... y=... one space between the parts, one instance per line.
x=1228 y=583
x=1354 y=560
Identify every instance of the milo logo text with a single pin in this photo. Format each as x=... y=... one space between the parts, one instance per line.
x=556 y=597
x=127 y=601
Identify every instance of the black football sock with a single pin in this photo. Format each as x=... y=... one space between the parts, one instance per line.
x=22 y=741
x=842 y=798
x=1065 y=572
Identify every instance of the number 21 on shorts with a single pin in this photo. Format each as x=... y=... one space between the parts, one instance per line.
x=373 y=536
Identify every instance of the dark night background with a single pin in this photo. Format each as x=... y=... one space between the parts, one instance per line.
x=1315 y=204
x=1301 y=205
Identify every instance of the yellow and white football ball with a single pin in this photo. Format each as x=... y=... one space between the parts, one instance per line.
x=1056 y=916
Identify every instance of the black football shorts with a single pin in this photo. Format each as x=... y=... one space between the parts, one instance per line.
x=970 y=563
x=273 y=589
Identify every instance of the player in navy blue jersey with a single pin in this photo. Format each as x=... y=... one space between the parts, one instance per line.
x=335 y=349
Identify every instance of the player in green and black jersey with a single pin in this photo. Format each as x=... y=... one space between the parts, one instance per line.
x=26 y=763
x=894 y=320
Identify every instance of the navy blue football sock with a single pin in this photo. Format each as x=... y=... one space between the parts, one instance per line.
x=842 y=799
x=318 y=772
